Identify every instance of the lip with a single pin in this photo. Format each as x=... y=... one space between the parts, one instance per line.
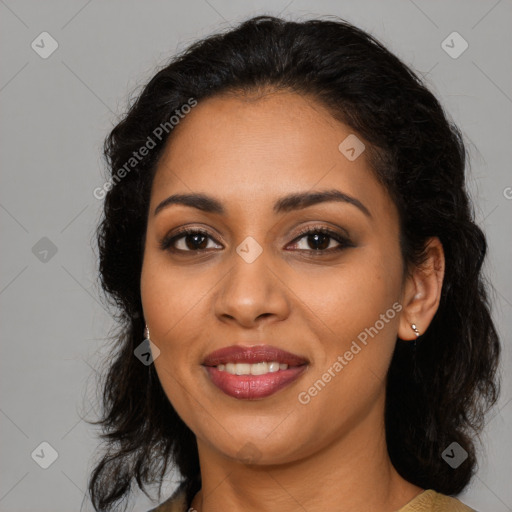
x=254 y=354
x=253 y=387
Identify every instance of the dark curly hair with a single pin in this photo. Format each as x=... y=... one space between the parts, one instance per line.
x=437 y=393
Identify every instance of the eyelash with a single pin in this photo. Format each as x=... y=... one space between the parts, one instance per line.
x=167 y=243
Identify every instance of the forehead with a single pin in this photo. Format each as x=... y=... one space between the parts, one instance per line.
x=247 y=150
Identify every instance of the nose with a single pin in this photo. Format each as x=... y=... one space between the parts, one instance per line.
x=252 y=293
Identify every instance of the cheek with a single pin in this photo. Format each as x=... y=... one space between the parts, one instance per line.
x=347 y=299
x=172 y=304
x=356 y=311
x=169 y=292
x=171 y=300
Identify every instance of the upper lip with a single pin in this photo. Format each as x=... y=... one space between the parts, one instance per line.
x=254 y=354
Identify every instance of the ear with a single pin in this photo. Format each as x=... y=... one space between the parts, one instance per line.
x=422 y=291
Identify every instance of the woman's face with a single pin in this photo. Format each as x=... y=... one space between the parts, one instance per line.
x=251 y=279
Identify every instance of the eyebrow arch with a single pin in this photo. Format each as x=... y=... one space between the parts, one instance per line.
x=287 y=203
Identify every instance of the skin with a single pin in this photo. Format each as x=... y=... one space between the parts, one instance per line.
x=329 y=454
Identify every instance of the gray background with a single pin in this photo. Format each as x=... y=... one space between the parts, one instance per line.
x=55 y=114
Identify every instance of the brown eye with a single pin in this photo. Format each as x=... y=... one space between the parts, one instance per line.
x=322 y=240
x=188 y=240
x=316 y=241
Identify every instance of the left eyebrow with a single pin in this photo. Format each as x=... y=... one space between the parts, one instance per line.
x=304 y=199
x=297 y=201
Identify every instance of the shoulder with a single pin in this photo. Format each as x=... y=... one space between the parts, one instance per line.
x=176 y=503
x=432 y=501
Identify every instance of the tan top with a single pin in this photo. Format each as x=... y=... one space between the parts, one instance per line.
x=432 y=501
x=427 y=501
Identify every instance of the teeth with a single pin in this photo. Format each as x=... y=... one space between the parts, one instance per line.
x=259 y=368
x=274 y=366
x=252 y=369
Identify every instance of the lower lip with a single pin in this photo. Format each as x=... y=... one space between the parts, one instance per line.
x=253 y=387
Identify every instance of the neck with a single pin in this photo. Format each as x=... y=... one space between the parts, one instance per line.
x=352 y=473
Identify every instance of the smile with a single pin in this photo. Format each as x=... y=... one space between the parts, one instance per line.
x=251 y=373
x=252 y=369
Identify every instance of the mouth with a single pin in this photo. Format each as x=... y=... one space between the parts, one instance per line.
x=251 y=373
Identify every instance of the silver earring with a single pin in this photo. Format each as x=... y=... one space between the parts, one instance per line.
x=146 y=334
x=415 y=329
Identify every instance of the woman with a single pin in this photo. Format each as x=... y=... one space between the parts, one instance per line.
x=304 y=322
